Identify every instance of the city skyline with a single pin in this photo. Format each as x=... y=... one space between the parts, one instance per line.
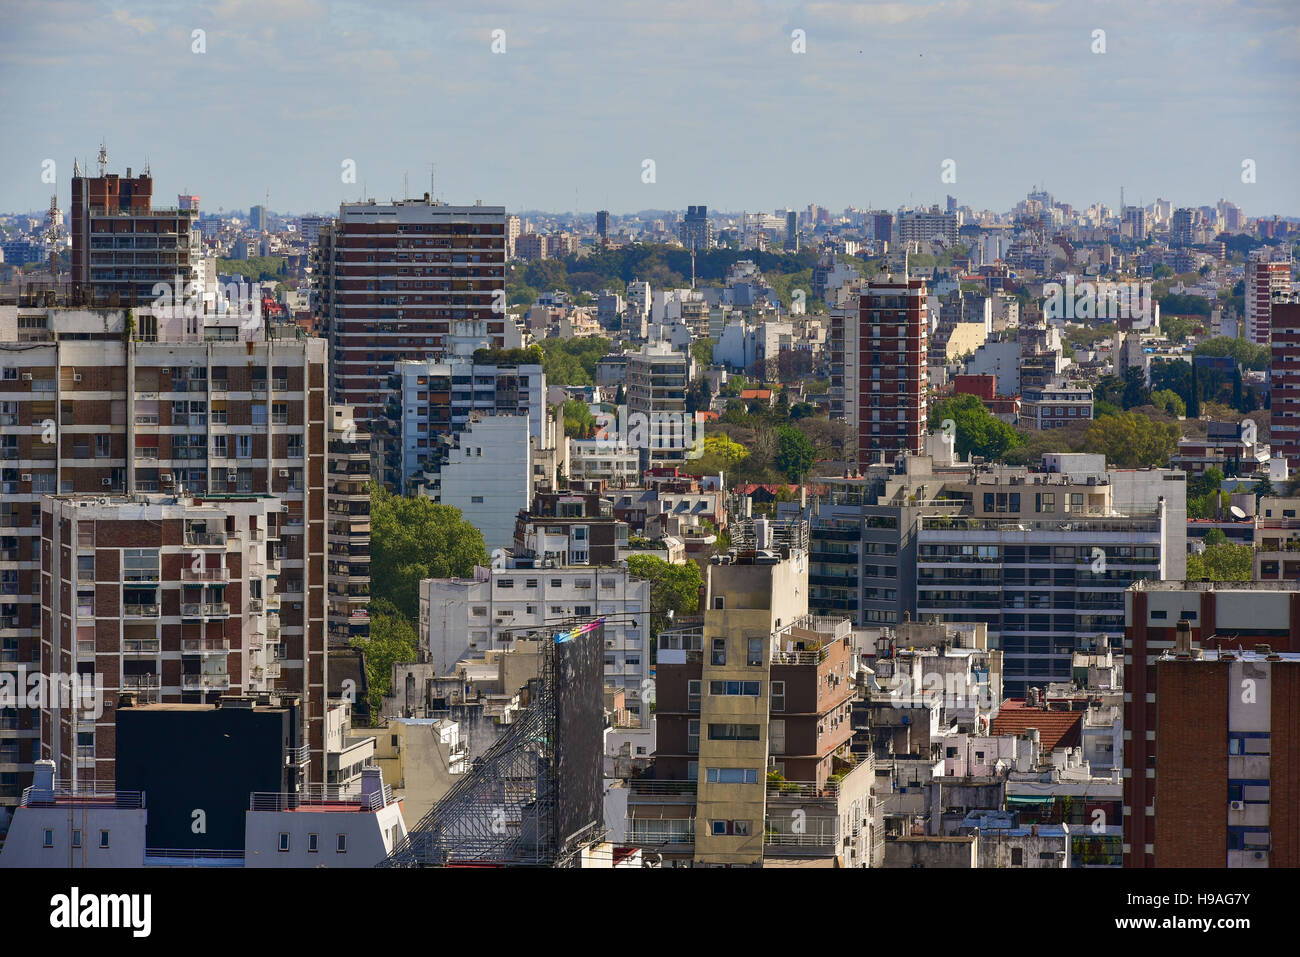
x=691 y=90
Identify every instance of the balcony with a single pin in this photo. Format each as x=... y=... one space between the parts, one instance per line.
x=204 y=538
x=205 y=646
x=141 y=646
x=140 y=611
x=205 y=574
x=205 y=682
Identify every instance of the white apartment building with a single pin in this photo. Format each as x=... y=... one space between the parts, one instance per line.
x=465 y=617
x=487 y=474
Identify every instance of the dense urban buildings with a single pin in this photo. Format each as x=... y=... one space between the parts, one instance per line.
x=889 y=352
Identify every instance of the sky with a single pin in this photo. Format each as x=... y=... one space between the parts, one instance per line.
x=275 y=97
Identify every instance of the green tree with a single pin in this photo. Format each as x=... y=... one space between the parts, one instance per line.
x=1215 y=536
x=794 y=453
x=1131 y=440
x=702 y=350
x=1222 y=563
x=579 y=423
x=976 y=430
x=393 y=640
x=412 y=538
x=674 y=588
x=1170 y=401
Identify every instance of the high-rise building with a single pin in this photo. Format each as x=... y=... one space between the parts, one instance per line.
x=1284 y=378
x=657 y=381
x=1266 y=279
x=1211 y=685
x=514 y=227
x=257 y=219
x=889 y=343
x=924 y=226
x=602 y=224
x=753 y=725
x=348 y=529
x=86 y=413
x=1182 y=230
x=188 y=201
x=792 y=230
x=434 y=398
x=1135 y=223
x=122 y=246
x=164 y=598
x=391 y=280
x=696 y=232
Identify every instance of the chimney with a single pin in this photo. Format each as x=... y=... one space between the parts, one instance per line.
x=1183 y=639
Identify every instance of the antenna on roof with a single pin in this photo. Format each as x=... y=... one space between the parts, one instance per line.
x=102 y=158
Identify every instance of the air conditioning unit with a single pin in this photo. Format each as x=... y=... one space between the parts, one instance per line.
x=284 y=473
x=26 y=476
x=1259 y=855
x=76 y=377
x=107 y=483
x=231 y=475
x=27 y=377
x=1236 y=805
x=165 y=477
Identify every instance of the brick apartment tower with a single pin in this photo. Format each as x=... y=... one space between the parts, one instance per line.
x=1284 y=375
x=121 y=245
x=1159 y=728
x=161 y=598
x=390 y=281
x=1228 y=760
x=97 y=416
x=890 y=412
x=1264 y=280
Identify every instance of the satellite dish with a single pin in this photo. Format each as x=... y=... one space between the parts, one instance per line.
x=1236 y=512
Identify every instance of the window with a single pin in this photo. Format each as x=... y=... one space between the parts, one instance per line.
x=76 y=838
x=103 y=840
x=749 y=689
x=778 y=695
x=755 y=655
x=284 y=840
x=733 y=732
x=341 y=845
x=1017 y=857
x=313 y=843
x=719 y=651
x=476 y=499
x=693 y=736
x=49 y=838
x=693 y=695
x=732 y=776
x=776 y=736
x=505 y=583
x=730 y=828
x=243 y=446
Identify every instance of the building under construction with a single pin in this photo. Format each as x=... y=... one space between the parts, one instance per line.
x=534 y=798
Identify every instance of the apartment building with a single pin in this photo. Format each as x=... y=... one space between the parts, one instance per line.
x=927 y=226
x=573 y=527
x=753 y=766
x=430 y=399
x=164 y=598
x=466 y=617
x=1213 y=709
x=1055 y=406
x=89 y=414
x=1226 y=746
x=348 y=529
x=486 y=471
x=1284 y=383
x=1266 y=278
x=391 y=279
x=657 y=380
x=122 y=245
x=889 y=415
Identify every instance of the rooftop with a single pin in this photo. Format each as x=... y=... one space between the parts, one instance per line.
x=1056 y=729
